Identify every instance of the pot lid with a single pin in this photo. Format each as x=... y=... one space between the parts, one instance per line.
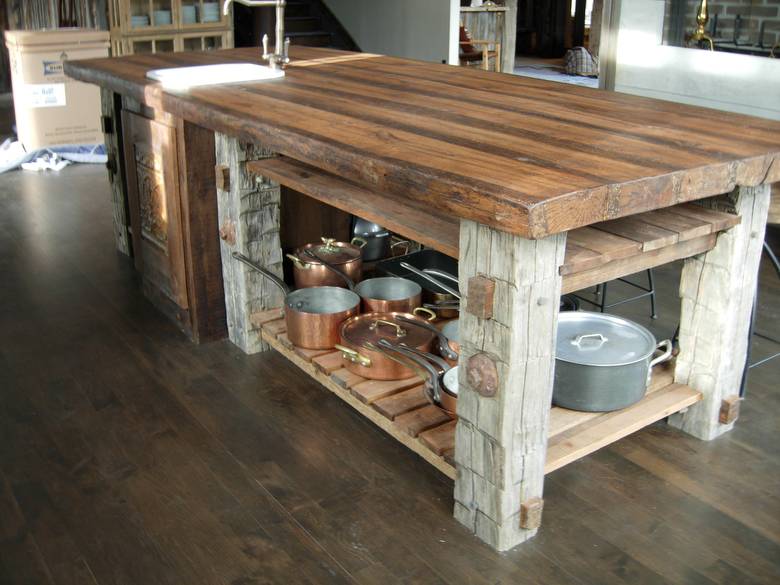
x=371 y=327
x=331 y=251
x=597 y=339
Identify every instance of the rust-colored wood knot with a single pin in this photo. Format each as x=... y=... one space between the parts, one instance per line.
x=222 y=177
x=482 y=374
x=729 y=410
x=227 y=232
x=479 y=299
x=531 y=513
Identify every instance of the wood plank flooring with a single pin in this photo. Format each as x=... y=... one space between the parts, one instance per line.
x=130 y=456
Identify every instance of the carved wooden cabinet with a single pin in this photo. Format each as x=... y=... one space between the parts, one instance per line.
x=155 y=212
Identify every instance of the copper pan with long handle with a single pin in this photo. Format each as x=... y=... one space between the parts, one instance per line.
x=313 y=315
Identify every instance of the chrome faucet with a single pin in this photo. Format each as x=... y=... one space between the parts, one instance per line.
x=280 y=57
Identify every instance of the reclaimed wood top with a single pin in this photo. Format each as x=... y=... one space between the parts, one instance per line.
x=522 y=155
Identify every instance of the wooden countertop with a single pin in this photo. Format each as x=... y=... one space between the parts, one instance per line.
x=522 y=155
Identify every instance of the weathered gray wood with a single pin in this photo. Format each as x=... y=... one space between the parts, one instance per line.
x=496 y=25
x=717 y=291
x=249 y=224
x=115 y=171
x=500 y=442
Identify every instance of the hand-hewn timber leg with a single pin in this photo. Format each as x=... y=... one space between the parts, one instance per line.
x=506 y=377
x=717 y=291
x=249 y=224
x=111 y=120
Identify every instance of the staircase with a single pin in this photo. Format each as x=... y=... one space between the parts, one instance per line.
x=310 y=23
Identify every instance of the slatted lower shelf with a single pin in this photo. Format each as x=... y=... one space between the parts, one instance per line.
x=400 y=408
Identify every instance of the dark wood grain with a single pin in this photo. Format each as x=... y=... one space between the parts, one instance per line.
x=519 y=154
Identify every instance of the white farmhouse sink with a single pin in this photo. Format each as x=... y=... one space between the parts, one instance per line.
x=186 y=77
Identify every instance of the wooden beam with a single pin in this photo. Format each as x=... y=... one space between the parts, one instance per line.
x=717 y=290
x=115 y=166
x=501 y=435
x=249 y=213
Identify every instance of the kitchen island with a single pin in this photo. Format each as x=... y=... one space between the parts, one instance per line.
x=536 y=188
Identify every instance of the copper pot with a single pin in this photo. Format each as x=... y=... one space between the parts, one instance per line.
x=309 y=268
x=313 y=315
x=359 y=336
x=389 y=294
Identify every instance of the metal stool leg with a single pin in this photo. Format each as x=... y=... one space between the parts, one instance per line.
x=651 y=286
x=603 y=296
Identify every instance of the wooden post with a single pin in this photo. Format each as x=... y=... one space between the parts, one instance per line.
x=249 y=224
x=717 y=290
x=115 y=166
x=501 y=436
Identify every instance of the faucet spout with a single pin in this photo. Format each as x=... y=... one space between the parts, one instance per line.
x=280 y=57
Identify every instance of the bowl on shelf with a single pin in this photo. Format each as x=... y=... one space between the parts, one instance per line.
x=162 y=17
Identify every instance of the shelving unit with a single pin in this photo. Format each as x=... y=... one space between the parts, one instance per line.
x=400 y=408
x=153 y=26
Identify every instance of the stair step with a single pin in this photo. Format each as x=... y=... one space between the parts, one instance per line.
x=301 y=24
x=317 y=38
x=297 y=9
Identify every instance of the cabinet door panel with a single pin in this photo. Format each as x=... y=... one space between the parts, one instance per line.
x=153 y=191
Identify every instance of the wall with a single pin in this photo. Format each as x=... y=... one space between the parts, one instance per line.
x=415 y=29
x=643 y=66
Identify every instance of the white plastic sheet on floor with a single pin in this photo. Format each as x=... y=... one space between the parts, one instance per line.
x=13 y=155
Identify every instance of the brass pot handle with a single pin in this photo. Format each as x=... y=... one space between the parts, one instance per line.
x=399 y=331
x=298 y=262
x=353 y=356
x=359 y=242
x=425 y=311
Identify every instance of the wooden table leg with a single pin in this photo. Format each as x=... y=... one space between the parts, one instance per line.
x=506 y=376
x=249 y=224
x=717 y=291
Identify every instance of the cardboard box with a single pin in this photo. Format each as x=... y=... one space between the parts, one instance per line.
x=52 y=109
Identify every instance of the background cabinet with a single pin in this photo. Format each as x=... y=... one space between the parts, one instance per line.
x=153 y=26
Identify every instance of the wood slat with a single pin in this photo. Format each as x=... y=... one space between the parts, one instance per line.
x=609 y=427
x=347 y=114
x=329 y=362
x=633 y=264
x=346 y=379
x=275 y=327
x=441 y=438
x=370 y=391
x=400 y=403
x=649 y=236
x=262 y=317
x=422 y=419
x=310 y=354
x=719 y=220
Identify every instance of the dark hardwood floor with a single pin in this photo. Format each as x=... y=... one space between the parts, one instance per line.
x=129 y=455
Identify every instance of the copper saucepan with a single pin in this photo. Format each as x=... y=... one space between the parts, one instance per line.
x=360 y=335
x=309 y=268
x=442 y=380
x=313 y=315
x=381 y=295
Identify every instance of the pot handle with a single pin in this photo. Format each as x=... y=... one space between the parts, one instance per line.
x=431 y=279
x=444 y=343
x=578 y=340
x=359 y=242
x=430 y=314
x=299 y=263
x=666 y=355
x=399 y=331
x=353 y=356
x=268 y=274
x=417 y=359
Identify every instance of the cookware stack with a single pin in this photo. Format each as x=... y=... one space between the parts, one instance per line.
x=383 y=327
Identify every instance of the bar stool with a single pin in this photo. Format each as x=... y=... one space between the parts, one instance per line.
x=647 y=291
